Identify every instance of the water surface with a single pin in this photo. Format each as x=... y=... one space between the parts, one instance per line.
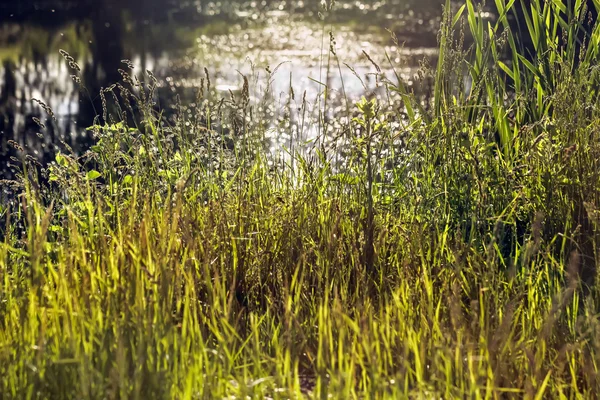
x=283 y=47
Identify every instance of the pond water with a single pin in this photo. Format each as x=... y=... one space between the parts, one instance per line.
x=282 y=46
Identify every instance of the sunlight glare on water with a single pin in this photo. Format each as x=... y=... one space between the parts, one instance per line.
x=282 y=47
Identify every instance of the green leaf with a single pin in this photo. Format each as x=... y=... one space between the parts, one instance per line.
x=61 y=160
x=505 y=68
x=367 y=107
x=529 y=65
x=345 y=178
x=543 y=386
x=93 y=174
x=458 y=15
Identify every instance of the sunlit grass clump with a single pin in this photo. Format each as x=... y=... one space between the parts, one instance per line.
x=449 y=252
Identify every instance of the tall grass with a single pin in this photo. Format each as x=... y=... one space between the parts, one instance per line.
x=452 y=254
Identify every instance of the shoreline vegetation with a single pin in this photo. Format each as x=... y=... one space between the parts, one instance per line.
x=443 y=249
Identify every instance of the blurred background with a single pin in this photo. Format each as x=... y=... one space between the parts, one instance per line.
x=177 y=40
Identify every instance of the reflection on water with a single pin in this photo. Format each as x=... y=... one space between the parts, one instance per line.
x=177 y=40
